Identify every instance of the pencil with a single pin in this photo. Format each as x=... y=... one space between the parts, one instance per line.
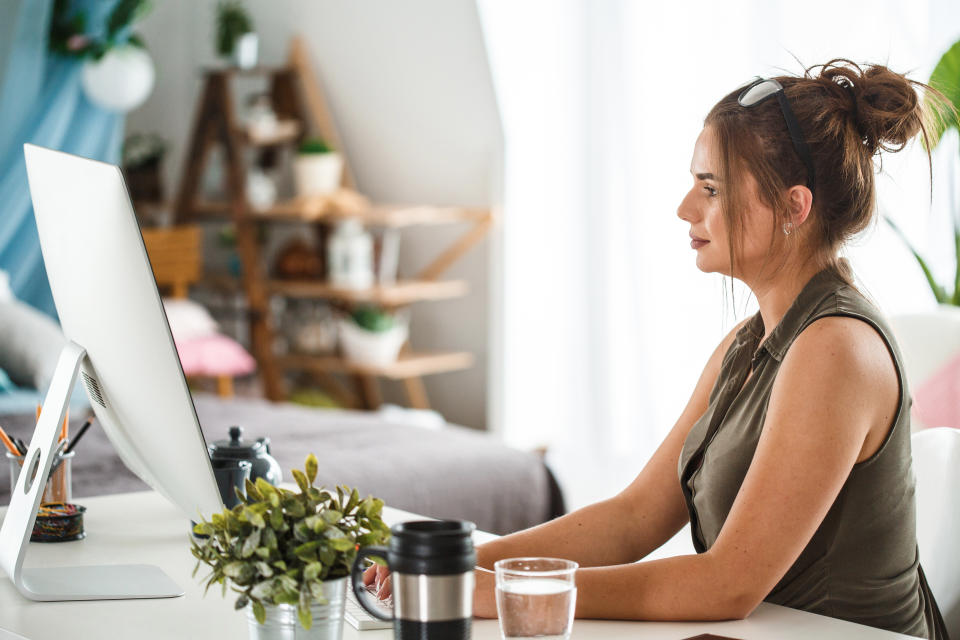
x=64 y=430
x=8 y=443
x=76 y=439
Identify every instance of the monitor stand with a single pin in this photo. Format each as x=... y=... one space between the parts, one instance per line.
x=105 y=582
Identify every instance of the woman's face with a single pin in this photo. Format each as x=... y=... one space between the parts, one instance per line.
x=700 y=208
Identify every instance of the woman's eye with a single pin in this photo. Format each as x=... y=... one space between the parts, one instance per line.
x=710 y=190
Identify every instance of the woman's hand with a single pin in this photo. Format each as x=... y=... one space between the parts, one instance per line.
x=379 y=577
x=484 y=594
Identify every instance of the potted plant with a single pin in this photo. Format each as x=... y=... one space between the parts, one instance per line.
x=373 y=336
x=945 y=79
x=235 y=36
x=288 y=554
x=317 y=169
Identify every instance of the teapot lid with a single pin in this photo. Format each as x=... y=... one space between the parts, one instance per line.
x=236 y=447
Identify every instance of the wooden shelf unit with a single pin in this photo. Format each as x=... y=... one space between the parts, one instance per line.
x=215 y=122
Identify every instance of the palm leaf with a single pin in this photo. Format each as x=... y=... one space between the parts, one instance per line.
x=946 y=79
x=938 y=291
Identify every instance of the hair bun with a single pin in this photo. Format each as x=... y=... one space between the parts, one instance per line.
x=886 y=109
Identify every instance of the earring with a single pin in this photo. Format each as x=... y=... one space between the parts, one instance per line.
x=787 y=228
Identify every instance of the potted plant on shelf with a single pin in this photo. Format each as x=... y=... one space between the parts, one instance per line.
x=142 y=163
x=946 y=79
x=372 y=336
x=235 y=36
x=288 y=554
x=317 y=169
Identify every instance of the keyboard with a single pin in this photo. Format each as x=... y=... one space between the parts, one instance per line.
x=359 y=619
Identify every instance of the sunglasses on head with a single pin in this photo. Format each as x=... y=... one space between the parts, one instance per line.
x=758 y=90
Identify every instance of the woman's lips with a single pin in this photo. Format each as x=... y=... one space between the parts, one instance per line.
x=696 y=244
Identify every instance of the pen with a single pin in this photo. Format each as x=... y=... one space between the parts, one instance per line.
x=76 y=439
x=8 y=443
x=21 y=445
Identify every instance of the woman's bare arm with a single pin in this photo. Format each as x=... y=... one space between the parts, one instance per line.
x=831 y=393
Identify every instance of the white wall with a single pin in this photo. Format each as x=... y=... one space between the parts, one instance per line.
x=410 y=91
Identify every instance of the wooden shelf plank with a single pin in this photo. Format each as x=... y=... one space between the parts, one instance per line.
x=287 y=131
x=410 y=365
x=381 y=215
x=402 y=293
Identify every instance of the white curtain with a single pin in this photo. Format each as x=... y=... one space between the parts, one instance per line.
x=604 y=322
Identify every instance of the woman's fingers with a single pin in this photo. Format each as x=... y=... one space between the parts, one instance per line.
x=370 y=575
x=385 y=589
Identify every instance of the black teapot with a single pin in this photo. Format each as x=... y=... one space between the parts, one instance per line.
x=256 y=452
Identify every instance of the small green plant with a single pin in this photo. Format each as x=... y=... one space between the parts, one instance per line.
x=233 y=21
x=278 y=546
x=314 y=145
x=373 y=319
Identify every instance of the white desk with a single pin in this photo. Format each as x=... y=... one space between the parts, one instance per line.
x=144 y=528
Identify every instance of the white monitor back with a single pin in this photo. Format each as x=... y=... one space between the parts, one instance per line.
x=108 y=303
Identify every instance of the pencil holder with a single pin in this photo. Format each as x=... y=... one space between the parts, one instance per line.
x=58 y=487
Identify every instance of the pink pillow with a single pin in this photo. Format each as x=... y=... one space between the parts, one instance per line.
x=937 y=401
x=214 y=355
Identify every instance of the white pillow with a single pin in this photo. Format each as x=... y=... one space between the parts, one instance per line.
x=188 y=320
x=30 y=344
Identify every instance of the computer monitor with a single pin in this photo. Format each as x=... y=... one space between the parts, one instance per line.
x=120 y=344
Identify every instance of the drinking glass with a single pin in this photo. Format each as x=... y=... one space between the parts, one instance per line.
x=536 y=597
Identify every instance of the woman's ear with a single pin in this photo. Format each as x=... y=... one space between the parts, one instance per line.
x=799 y=199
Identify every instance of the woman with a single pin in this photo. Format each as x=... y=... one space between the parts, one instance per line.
x=792 y=458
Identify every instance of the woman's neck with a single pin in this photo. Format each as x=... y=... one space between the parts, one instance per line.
x=775 y=294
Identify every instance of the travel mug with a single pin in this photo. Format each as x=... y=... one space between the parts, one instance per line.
x=431 y=572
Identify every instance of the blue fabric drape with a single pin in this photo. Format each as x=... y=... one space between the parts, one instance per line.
x=42 y=102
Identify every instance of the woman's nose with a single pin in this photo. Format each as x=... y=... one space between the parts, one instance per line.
x=685 y=211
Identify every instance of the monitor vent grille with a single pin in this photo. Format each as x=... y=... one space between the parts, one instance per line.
x=93 y=388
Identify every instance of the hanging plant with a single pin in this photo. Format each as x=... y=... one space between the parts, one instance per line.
x=118 y=73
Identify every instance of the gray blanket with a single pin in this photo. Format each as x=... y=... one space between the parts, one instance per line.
x=452 y=472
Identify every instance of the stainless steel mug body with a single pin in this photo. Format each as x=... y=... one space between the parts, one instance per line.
x=431 y=564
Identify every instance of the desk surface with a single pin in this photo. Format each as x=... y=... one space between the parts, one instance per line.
x=145 y=528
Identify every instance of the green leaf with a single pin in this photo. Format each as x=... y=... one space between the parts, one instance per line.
x=316 y=590
x=250 y=544
x=354 y=500
x=312 y=570
x=269 y=539
x=276 y=514
x=303 y=612
x=234 y=569
x=342 y=544
x=946 y=79
x=241 y=602
x=252 y=492
x=259 y=612
x=332 y=516
x=307 y=551
x=311 y=468
x=301 y=480
x=264 y=569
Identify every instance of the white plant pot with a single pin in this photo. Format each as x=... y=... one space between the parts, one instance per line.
x=121 y=80
x=374 y=348
x=317 y=174
x=245 y=51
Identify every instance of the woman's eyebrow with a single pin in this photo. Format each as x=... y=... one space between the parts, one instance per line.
x=705 y=176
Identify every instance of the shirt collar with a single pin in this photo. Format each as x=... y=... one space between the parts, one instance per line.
x=817 y=288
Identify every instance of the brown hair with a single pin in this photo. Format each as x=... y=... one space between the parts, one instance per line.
x=848 y=113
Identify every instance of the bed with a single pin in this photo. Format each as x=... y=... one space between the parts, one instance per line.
x=443 y=472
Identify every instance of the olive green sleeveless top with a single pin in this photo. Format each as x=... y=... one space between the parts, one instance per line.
x=862 y=564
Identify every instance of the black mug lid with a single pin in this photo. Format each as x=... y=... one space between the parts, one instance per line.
x=433 y=547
